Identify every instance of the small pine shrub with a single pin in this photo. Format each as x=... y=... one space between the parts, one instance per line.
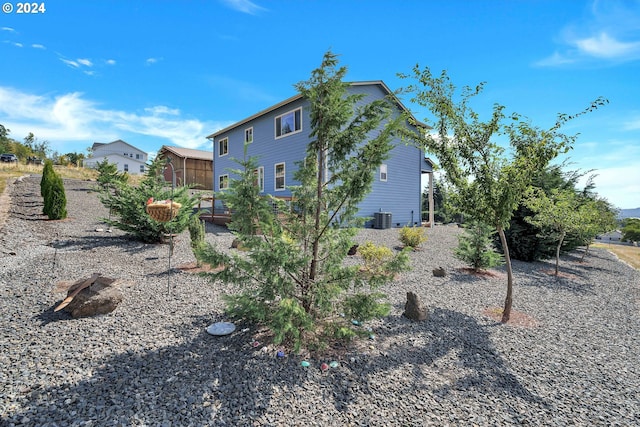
x=55 y=201
x=48 y=175
x=374 y=257
x=412 y=237
x=475 y=247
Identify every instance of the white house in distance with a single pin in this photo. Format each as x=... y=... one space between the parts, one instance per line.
x=128 y=158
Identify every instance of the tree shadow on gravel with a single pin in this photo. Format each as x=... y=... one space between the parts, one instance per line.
x=208 y=380
x=125 y=243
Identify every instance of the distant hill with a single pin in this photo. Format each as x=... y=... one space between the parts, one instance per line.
x=629 y=213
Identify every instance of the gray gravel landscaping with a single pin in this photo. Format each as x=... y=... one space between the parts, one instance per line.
x=151 y=362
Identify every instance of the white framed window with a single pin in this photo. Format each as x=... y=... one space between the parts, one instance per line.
x=383 y=173
x=223 y=182
x=223 y=147
x=137 y=156
x=248 y=135
x=279 y=172
x=126 y=167
x=141 y=168
x=258 y=178
x=288 y=123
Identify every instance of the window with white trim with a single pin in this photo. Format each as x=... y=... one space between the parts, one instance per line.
x=223 y=182
x=126 y=167
x=248 y=135
x=288 y=123
x=258 y=178
x=383 y=173
x=223 y=147
x=279 y=170
x=141 y=168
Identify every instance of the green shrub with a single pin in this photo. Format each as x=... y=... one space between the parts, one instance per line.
x=48 y=175
x=374 y=257
x=412 y=237
x=55 y=200
x=475 y=247
x=128 y=203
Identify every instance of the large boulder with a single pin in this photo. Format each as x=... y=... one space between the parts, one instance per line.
x=101 y=297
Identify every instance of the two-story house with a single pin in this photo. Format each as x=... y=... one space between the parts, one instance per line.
x=127 y=157
x=278 y=137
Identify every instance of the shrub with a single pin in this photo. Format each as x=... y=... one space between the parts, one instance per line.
x=128 y=204
x=374 y=257
x=45 y=182
x=412 y=237
x=475 y=247
x=55 y=200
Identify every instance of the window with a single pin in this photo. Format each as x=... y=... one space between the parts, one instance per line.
x=126 y=167
x=279 y=172
x=223 y=182
x=383 y=172
x=137 y=156
x=248 y=135
x=258 y=178
x=290 y=122
x=223 y=147
x=141 y=168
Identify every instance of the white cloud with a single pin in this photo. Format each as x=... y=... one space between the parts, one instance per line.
x=610 y=33
x=619 y=185
x=161 y=109
x=70 y=63
x=85 y=62
x=70 y=117
x=110 y=62
x=605 y=46
x=38 y=46
x=244 y=6
x=151 y=61
x=18 y=44
x=9 y=29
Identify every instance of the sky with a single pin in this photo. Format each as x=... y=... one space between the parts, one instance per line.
x=157 y=73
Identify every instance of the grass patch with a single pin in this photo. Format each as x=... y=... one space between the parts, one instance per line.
x=629 y=254
x=13 y=170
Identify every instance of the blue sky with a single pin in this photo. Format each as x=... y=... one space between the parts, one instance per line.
x=159 y=73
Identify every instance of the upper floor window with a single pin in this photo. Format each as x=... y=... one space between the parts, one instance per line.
x=248 y=135
x=223 y=147
x=137 y=156
x=279 y=174
x=290 y=122
x=383 y=172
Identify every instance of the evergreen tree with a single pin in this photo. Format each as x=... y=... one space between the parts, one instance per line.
x=475 y=247
x=55 y=201
x=292 y=276
x=129 y=202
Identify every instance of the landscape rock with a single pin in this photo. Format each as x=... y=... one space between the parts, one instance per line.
x=102 y=297
x=413 y=309
x=439 y=272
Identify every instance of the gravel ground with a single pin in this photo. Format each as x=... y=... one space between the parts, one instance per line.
x=151 y=362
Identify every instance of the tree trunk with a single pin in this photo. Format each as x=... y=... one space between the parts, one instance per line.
x=558 y=251
x=506 y=313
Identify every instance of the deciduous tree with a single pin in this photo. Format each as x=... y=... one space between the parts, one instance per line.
x=490 y=183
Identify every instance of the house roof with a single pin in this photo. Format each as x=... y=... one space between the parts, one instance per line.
x=189 y=153
x=101 y=144
x=299 y=96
